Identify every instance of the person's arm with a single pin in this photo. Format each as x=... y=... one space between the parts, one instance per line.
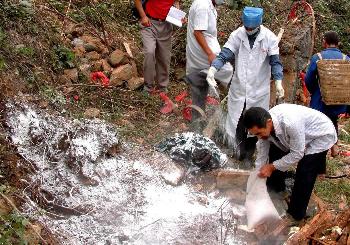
x=222 y=58
x=296 y=134
x=263 y=147
x=204 y=45
x=177 y=4
x=143 y=17
x=276 y=67
x=311 y=75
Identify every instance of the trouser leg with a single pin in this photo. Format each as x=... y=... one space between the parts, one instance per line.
x=305 y=178
x=334 y=120
x=163 y=54
x=149 y=63
x=277 y=179
x=199 y=91
x=246 y=145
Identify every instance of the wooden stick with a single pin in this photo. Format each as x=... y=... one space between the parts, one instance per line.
x=318 y=240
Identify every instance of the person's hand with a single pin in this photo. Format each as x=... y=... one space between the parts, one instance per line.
x=211 y=57
x=145 y=21
x=279 y=89
x=210 y=76
x=266 y=170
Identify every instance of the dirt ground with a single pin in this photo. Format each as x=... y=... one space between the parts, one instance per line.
x=140 y=124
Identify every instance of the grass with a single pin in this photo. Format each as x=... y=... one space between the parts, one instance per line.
x=332 y=190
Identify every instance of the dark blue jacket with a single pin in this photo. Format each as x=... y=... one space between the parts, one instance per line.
x=311 y=81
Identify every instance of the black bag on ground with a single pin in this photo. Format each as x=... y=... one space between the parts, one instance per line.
x=134 y=11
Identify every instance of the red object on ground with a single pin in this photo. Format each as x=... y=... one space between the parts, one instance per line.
x=181 y=96
x=99 y=75
x=168 y=104
x=76 y=97
x=212 y=101
x=187 y=113
x=345 y=153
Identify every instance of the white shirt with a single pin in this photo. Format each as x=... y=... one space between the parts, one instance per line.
x=202 y=17
x=299 y=129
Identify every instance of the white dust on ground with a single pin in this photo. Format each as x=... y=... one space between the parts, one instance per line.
x=129 y=202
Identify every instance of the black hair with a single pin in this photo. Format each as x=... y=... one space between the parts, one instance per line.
x=331 y=38
x=256 y=116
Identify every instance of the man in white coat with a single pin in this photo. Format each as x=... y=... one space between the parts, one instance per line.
x=291 y=136
x=256 y=53
x=201 y=49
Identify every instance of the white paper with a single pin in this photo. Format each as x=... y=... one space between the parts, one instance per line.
x=175 y=16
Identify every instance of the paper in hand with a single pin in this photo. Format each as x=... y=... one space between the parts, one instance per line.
x=175 y=16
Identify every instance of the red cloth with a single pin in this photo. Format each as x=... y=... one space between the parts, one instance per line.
x=158 y=9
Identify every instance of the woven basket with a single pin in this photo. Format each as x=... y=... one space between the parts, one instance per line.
x=334 y=81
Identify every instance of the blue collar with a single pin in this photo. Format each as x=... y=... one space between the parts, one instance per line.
x=334 y=49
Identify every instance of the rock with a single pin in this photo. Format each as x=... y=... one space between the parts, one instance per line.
x=105 y=66
x=5 y=208
x=120 y=74
x=172 y=173
x=85 y=69
x=93 y=55
x=79 y=51
x=75 y=30
x=92 y=113
x=236 y=194
x=135 y=82
x=92 y=43
x=71 y=74
x=232 y=178
x=117 y=57
x=97 y=66
x=89 y=47
x=78 y=42
x=134 y=67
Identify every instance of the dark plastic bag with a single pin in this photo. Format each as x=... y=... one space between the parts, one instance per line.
x=134 y=11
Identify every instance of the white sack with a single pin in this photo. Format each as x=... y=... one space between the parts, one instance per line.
x=258 y=204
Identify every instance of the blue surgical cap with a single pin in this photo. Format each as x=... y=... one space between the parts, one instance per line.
x=252 y=17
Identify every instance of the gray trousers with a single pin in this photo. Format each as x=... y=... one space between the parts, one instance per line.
x=199 y=91
x=157 y=50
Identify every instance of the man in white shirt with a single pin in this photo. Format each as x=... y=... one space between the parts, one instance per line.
x=202 y=48
x=291 y=135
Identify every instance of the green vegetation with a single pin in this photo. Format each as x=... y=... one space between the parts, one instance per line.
x=12 y=225
x=331 y=190
x=62 y=57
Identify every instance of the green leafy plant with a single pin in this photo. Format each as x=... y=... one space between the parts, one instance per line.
x=12 y=229
x=63 y=57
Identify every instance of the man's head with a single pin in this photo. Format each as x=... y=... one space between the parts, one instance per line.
x=258 y=122
x=330 y=39
x=252 y=19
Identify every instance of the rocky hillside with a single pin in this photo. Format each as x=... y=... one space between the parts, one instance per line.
x=83 y=59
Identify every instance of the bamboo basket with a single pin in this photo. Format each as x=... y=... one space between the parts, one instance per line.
x=334 y=79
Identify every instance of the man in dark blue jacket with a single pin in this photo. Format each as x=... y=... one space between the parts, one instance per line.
x=331 y=51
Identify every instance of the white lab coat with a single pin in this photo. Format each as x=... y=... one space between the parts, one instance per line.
x=301 y=131
x=251 y=80
x=203 y=17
